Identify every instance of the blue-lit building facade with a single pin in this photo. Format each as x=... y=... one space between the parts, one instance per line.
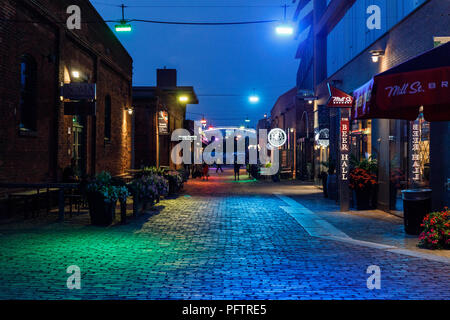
x=336 y=46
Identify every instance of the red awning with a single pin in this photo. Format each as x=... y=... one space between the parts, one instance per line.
x=399 y=92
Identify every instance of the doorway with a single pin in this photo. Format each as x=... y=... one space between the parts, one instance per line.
x=79 y=146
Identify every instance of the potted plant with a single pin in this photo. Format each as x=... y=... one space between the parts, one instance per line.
x=102 y=197
x=436 y=230
x=145 y=191
x=175 y=181
x=362 y=182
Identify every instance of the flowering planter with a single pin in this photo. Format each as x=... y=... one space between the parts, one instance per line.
x=101 y=212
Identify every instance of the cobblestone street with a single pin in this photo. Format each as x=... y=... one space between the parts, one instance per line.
x=220 y=239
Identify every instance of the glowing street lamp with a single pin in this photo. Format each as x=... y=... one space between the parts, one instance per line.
x=284 y=29
x=183 y=99
x=123 y=26
x=254 y=98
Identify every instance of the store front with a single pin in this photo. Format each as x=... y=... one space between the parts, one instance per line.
x=406 y=102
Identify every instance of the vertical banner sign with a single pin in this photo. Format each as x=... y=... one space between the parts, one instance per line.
x=345 y=148
x=344 y=160
x=415 y=152
x=163 y=122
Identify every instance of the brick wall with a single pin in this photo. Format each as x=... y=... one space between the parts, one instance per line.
x=100 y=58
x=26 y=158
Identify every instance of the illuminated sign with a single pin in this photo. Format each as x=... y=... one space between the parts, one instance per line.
x=277 y=137
x=163 y=122
x=415 y=152
x=345 y=148
x=338 y=98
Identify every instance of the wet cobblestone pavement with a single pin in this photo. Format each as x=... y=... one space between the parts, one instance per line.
x=218 y=240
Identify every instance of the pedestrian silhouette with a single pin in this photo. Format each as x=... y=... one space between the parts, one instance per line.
x=237 y=168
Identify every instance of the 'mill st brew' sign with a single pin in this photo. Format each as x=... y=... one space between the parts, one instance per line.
x=338 y=98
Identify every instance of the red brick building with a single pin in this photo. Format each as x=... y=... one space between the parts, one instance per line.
x=39 y=134
x=296 y=117
x=158 y=112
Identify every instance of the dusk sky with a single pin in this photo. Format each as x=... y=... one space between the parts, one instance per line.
x=214 y=59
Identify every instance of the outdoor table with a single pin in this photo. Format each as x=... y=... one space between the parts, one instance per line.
x=49 y=186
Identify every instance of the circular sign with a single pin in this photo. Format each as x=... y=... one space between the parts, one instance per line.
x=277 y=137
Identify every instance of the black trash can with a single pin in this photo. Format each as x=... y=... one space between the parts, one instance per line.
x=416 y=205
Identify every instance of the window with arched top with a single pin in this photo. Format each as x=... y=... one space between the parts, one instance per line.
x=28 y=90
x=108 y=117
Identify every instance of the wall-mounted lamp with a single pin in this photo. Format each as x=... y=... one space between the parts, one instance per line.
x=183 y=99
x=310 y=100
x=75 y=74
x=130 y=110
x=376 y=54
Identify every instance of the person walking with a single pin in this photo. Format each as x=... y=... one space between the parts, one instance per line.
x=237 y=168
x=205 y=171
x=219 y=167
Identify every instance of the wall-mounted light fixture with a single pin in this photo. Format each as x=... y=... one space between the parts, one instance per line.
x=75 y=74
x=376 y=54
x=130 y=110
x=183 y=99
x=310 y=100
